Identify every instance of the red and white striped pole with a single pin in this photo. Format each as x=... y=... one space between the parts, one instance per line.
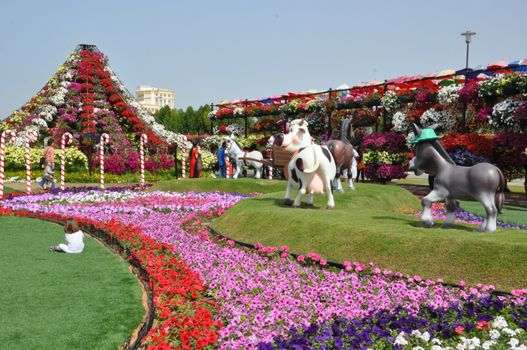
x=229 y=168
x=270 y=169
x=184 y=163
x=31 y=136
x=104 y=140
x=10 y=134
x=65 y=140
x=144 y=139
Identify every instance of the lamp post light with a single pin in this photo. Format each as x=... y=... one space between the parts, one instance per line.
x=468 y=38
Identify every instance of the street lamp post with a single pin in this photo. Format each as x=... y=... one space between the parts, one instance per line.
x=468 y=38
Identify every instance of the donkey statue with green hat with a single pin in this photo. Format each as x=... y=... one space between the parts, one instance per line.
x=483 y=182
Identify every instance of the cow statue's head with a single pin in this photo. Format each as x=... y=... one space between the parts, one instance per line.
x=297 y=137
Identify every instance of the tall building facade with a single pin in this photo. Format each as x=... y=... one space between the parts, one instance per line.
x=152 y=99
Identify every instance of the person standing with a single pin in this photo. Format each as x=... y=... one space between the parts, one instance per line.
x=525 y=165
x=195 y=161
x=360 y=168
x=221 y=161
x=49 y=154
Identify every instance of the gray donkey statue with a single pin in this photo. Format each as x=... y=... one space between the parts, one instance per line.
x=483 y=182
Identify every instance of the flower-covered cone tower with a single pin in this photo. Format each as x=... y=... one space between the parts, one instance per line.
x=86 y=98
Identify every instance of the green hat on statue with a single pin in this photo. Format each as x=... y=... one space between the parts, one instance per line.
x=426 y=135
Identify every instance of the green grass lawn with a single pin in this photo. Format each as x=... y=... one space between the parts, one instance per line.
x=371 y=224
x=9 y=190
x=514 y=187
x=511 y=214
x=62 y=301
x=244 y=185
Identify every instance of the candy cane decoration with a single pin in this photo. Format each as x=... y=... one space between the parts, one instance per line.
x=10 y=134
x=184 y=163
x=104 y=140
x=229 y=168
x=31 y=135
x=144 y=139
x=66 y=140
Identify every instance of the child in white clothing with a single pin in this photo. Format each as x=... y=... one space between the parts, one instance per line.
x=74 y=237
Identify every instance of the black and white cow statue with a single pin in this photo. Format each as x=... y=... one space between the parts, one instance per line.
x=311 y=168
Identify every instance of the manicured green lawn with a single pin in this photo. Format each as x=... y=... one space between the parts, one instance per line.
x=243 y=185
x=371 y=224
x=62 y=301
x=511 y=214
x=514 y=187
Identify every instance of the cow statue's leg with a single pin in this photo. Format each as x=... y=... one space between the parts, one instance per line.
x=309 y=199
x=451 y=207
x=301 y=191
x=427 y=202
x=487 y=200
x=287 y=197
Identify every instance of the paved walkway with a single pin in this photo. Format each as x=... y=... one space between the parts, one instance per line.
x=519 y=199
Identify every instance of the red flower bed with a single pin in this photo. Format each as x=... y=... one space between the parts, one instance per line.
x=478 y=144
x=183 y=317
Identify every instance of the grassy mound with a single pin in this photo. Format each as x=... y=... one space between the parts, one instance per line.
x=372 y=224
x=63 y=301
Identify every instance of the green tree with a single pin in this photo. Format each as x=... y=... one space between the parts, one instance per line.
x=163 y=115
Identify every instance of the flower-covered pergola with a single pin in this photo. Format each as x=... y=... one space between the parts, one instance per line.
x=380 y=100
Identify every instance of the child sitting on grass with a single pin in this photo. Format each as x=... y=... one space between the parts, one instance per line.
x=74 y=237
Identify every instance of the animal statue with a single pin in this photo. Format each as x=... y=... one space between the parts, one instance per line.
x=343 y=153
x=483 y=182
x=311 y=168
x=253 y=158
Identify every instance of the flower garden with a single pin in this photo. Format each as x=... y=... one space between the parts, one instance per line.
x=211 y=292
x=233 y=269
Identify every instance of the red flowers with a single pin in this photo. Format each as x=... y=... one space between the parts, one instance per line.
x=481 y=325
x=183 y=317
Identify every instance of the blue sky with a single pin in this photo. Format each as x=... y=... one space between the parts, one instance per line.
x=208 y=51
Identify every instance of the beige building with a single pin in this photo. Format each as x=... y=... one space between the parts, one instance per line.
x=152 y=99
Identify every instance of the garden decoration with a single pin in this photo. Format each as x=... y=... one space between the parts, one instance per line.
x=144 y=139
x=65 y=139
x=30 y=136
x=311 y=169
x=483 y=182
x=253 y=158
x=183 y=163
x=11 y=135
x=104 y=140
x=342 y=151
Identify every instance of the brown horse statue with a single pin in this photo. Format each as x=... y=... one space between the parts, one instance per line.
x=343 y=153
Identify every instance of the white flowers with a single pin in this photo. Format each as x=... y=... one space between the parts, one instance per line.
x=400 y=124
x=445 y=120
x=501 y=337
x=389 y=101
x=239 y=111
x=47 y=112
x=449 y=95
x=503 y=113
